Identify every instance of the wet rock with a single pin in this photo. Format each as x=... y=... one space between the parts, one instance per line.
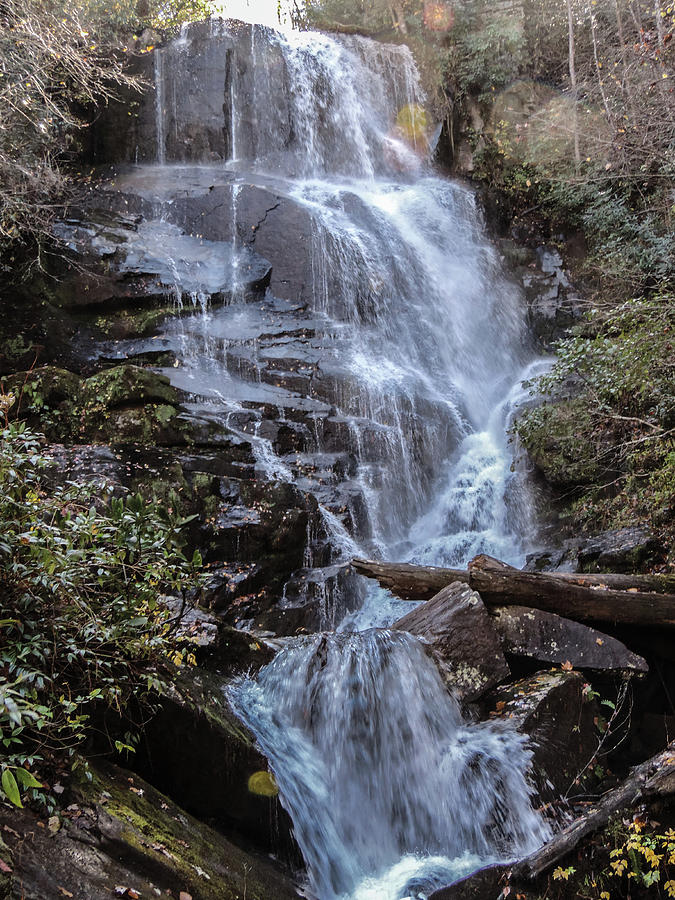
x=145 y=261
x=459 y=632
x=263 y=221
x=484 y=884
x=196 y=750
x=546 y=637
x=624 y=550
x=231 y=581
x=119 y=836
x=554 y=710
x=313 y=600
x=553 y=305
x=261 y=522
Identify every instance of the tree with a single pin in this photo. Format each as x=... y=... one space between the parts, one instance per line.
x=56 y=56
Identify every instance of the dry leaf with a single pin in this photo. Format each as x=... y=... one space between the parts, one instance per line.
x=4 y=867
x=65 y=893
x=599 y=642
x=184 y=896
x=567 y=666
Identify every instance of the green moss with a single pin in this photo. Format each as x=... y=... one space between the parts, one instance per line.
x=126 y=385
x=129 y=323
x=560 y=440
x=175 y=850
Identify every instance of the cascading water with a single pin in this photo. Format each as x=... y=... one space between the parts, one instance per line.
x=393 y=352
x=391 y=793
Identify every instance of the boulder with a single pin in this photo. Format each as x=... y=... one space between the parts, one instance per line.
x=115 y=835
x=459 y=632
x=555 y=444
x=480 y=885
x=196 y=750
x=548 y=638
x=555 y=710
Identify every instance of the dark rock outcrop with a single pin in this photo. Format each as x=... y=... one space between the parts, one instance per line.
x=457 y=629
x=555 y=710
x=624 y=550
x=197 y=750
x=118 y=836
x=548 y=638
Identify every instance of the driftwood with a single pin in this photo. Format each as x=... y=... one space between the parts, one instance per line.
x=625 y=599
x=650 y=780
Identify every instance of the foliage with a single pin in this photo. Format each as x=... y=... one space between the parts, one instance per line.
x=55 y=58
x=396 y=16
x=631 y=858
x=484 y=55
x=643 y=857
x=83 y=625
x=163 y=16
x=621 y=360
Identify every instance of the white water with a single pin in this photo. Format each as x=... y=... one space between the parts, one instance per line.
x=391 y=793
x=421 y=348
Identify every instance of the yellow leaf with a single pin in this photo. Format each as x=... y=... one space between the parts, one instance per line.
x=263 y=784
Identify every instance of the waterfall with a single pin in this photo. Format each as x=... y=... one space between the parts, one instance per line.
x=389 y=349
x=391 y=793
x=419 y=335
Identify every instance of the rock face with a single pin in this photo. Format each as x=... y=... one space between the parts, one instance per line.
x=545 y=637
x=457 y=629
x=117 y=836
x=624 y=550
x=554 y=710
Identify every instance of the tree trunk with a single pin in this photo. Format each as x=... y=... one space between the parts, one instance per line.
x=626 y=599
x=598 y=67
x=658 y=18
x=407 y=581
x=573 y=83
x=626 y=85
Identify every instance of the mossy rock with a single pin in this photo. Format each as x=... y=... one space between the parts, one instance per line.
x=154 y=423
x=119 y=833
x=47 y=385
x=132 y=323
x=199 y=751
x=48 y=398
x=128 y=385
x=559 y=440
x=129 y=404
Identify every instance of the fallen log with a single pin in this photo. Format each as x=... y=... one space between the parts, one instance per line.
x=624 y=599
x=652 y=779
x=586 y=602
x=407 y=581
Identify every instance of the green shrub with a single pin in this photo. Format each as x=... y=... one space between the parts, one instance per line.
x=621 y=361
x=82 y=622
